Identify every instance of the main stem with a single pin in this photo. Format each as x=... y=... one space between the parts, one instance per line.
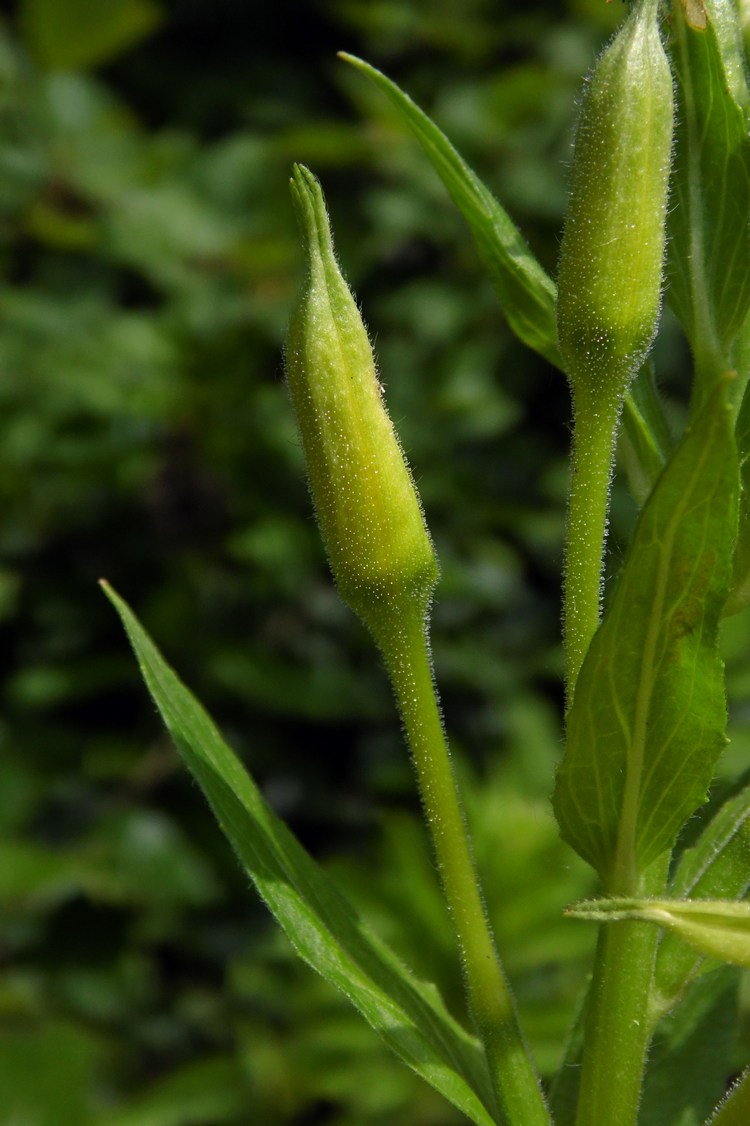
x=590 y=473
x=405 y=647
x=618 y=1029
x=617 y=1025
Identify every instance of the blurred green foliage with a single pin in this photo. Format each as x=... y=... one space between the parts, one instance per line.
x=149 y=261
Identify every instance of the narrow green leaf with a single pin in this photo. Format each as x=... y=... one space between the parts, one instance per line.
x=716 y=927
x=716 y=867
x=646 y=726
x=709 y=244
x=321 y=924
x=526 y=293
x=740 y=594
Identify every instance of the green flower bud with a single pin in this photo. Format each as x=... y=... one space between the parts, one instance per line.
x=367 y=506
x=610 y=278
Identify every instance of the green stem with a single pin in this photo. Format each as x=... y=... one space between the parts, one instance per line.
x=405 y=648
x=618 y=1028
x=590 y=474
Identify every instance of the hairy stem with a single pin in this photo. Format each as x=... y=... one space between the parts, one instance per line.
x=406 y=651
x=618 y=1028
x=590 y=474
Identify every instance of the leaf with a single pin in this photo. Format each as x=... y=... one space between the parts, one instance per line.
x=709 y=244
x=717 y=927
x=212 y=1090
x=526 y=293
x=735 y=1109
x=79 y=34
x=716 y=867
x=644 y=442
x=728 y=28
x=687 y=1070
x=739 y=596
x=646 y=726
x=50 y=1067
x=321 y=924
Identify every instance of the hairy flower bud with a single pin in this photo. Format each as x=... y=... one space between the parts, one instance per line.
x=610 y=277
x=367 y=506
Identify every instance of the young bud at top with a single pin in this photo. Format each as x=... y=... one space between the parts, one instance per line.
x=367 y=507
x=610 y=278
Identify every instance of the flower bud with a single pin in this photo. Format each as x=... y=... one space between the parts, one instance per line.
x=367 y=506
x=610 y=277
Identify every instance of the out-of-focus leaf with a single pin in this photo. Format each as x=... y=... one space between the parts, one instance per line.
x=646 y=726
x=77 y=34
x=209 y=1090
x=141 y=857
x=47 y=1073
x=35 y=875
x=321 y=925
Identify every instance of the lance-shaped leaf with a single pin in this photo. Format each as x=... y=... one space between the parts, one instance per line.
x=709 y=244
x=740 y=594
x=716 y=927
x=526 y=293
x=322 y=926
x=646 y=726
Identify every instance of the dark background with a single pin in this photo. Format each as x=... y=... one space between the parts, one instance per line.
x=149 y=263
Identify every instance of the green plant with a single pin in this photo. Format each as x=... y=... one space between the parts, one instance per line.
x=646 y=710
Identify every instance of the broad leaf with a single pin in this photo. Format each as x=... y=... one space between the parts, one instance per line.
x=646 y=726
x=526 y=293
x=709 y=245
x=323 y=927
x=719 y=928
